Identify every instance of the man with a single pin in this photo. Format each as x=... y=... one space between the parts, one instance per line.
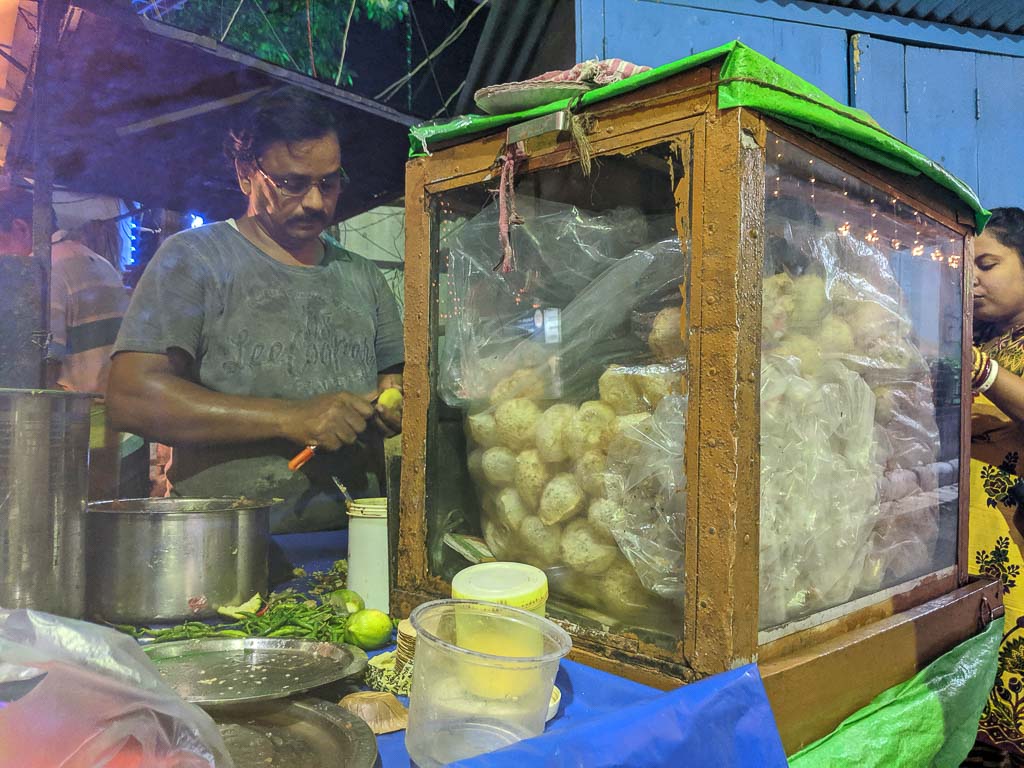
x=87 y=299
x=251 y=338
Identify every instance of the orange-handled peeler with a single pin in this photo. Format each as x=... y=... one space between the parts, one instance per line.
x=299 y=459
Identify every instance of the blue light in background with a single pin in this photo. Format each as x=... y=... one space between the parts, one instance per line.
x=195 y=220
x=134 y=236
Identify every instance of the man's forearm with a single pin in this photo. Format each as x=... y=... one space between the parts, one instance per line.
x=174 y=411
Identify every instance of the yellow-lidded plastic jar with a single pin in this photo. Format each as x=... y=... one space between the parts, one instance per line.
x=515 y=584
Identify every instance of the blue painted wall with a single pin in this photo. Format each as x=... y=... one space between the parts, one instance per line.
x=962 y=104
x=963 y=109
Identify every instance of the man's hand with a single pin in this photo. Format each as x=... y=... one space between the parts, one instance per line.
x=330 y=421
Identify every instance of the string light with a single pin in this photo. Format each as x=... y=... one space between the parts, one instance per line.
x=937 y=255
x=954 y=257
x=895 y=242
x=917 y=250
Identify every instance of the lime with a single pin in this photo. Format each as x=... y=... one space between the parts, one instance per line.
x=368 y=629
x=390 y=398
x=346 y=600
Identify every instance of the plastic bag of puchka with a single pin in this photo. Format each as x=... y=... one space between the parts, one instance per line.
x=78 y=695
x=572 y=369
x=830 y=299
x=578 y=276
x=646 y=477
x=819 y=479
x=844 y=302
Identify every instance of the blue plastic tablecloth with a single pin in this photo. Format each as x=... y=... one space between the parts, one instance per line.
x=606 y=720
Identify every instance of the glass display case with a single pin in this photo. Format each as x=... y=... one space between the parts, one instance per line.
x=712 y=387
x=861 y=336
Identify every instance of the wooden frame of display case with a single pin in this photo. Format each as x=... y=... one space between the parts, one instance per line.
x=911 y=624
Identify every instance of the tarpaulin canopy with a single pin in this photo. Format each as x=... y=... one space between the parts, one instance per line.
x=746 y=79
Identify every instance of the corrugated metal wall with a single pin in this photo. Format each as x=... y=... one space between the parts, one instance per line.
x=996 y=15
x=964 y=108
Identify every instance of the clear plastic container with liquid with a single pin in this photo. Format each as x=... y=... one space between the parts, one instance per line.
x=482 y=678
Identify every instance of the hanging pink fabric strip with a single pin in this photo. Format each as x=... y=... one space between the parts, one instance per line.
x=507 y=214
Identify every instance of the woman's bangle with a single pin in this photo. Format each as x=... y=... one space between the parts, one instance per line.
x=991 y=378
x=981 y=368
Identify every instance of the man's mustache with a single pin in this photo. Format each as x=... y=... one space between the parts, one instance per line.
x=316 y=218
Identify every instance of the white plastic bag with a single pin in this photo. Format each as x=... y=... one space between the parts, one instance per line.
x=93 y=700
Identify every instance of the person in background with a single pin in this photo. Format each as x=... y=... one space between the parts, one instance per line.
x=248 y=339
x=87 y=299
x=996 y=535
x=87 y=304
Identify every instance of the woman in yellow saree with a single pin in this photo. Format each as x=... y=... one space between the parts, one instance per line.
x=996 y=536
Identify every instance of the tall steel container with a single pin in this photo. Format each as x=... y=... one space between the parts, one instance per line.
x=44 y=463
x=21 y=311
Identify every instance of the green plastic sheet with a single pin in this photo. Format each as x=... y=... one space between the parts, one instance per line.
x=747 y=79
x=930 y=720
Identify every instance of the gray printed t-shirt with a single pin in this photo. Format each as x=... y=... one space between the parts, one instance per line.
x=258 y=327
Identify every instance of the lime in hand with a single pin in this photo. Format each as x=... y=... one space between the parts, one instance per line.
x=390 y=398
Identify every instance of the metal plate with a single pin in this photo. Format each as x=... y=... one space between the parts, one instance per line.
x=514 y=97
x=304 y=733
x=214 y=671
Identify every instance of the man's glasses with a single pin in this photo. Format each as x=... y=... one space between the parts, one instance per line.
x=299 y=186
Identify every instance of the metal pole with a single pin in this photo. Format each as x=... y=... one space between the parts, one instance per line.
x=51 y=15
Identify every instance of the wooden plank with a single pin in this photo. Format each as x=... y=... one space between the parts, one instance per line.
x=878 y=82
x=753 y=139
x=1000 y=151
x=715 y=479
x=693 y=450
x=942 y=105
x=966 y=399
x=813 y=690
x=921 y=591
x=656 y=34
x=184 y=114
x=412 y=533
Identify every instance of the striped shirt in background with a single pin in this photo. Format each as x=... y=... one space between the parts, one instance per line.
x=87 y=302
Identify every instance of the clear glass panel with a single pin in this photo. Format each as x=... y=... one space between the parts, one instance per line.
x=862 y=316
x=558 y=388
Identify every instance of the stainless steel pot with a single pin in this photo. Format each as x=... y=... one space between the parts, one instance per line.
x=44 y=466
x=157 y=560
